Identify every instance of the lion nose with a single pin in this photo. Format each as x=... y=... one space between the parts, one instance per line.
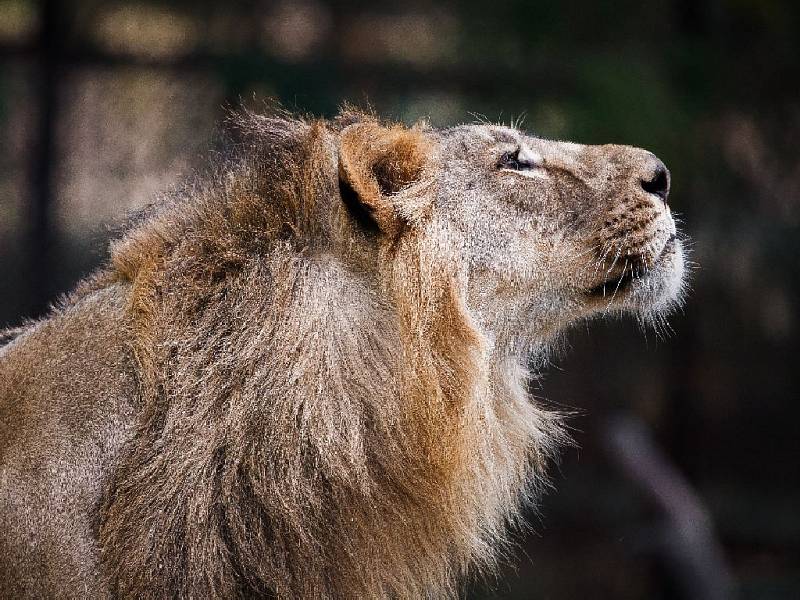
x=658 y=183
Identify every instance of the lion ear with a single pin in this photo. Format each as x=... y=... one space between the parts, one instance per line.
x=375 y=163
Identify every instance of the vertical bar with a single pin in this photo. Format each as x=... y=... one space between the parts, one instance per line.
x=40 y=232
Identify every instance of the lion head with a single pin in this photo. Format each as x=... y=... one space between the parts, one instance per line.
x=539 y=233
x=333 y=333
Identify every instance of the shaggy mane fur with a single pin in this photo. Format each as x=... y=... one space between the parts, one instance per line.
x=312 y=426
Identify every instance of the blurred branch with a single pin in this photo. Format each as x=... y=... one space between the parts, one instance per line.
x=690 y=547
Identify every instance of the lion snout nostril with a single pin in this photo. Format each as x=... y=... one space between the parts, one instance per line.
x=658 y=184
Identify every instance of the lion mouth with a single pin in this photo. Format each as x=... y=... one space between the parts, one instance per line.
x=614 y=285
x=633 y=268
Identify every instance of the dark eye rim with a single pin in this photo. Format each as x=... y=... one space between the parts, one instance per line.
x=511 y=160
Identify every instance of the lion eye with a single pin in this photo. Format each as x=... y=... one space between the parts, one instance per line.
x=515 y=161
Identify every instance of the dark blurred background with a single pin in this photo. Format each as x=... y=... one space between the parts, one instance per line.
x=686 y=479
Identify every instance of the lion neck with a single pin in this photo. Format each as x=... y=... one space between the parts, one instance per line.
x=305 y=436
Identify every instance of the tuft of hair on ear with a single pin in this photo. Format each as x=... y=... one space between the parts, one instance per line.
x=377 y=162
x=401 y=164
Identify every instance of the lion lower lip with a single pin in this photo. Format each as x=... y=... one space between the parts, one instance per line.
x=613 y=285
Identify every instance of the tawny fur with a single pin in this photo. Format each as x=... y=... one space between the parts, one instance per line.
x=315 y=398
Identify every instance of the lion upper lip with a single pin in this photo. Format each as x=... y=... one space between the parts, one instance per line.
x=667 y=245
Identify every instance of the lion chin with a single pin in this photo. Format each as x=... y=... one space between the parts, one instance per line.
x=662 y=287
x=649 y=292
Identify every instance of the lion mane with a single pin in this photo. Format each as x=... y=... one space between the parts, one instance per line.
x=310 y=427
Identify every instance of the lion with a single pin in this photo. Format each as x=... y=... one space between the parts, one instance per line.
x=304 y=374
